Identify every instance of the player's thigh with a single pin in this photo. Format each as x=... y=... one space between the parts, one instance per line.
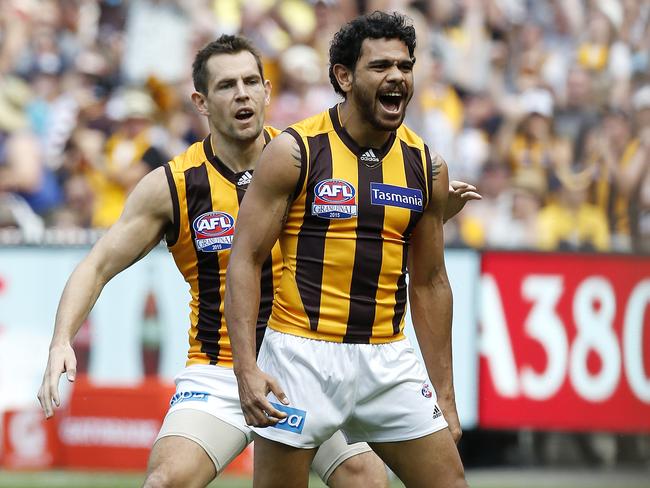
x=431 y=461
x=278 y=465
x=343 y=465
x=193 y=445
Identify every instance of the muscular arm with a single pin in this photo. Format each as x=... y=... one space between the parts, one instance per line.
x=430 y=297
x=146 y=215
x=261 y=216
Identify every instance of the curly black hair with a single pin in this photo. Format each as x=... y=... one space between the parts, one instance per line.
x=345 y=48
x=225 y=44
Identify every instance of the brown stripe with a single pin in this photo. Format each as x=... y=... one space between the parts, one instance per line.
x=414 y=172
x=267 y=137
x=311 y=238
x=241 y=189
x=266 y=298
x=172 y=233
x=303 y=161
x=367 y=258
x=199 y=201
x=431 y=174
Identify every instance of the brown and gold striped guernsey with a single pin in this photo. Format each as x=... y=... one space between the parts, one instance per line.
x=206 y=196
x=346 y=238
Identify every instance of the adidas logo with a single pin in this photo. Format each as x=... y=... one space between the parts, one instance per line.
x=245 y=179
x=369 y=156
x=436 y=412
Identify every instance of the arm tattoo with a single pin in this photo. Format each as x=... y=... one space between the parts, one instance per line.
x=286 y=209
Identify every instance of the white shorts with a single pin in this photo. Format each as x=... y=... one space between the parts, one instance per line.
x=371 y=392
x=213 y=390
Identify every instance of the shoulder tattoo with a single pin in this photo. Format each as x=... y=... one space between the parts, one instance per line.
x=297 y=156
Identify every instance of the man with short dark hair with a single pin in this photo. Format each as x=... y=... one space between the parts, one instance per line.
x=356 y=199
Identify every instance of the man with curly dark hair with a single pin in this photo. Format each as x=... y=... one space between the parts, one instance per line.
x=356 y=200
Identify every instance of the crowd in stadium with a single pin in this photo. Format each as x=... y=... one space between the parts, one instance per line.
x=543 y=105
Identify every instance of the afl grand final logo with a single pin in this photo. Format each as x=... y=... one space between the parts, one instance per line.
x=334 y=199
x=213 y=231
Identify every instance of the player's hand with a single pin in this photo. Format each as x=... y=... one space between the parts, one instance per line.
x=253 y=386
x=459 y=194
x=61 y=360
x=451 y=416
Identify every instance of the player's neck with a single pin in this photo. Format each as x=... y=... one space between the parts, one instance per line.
x=237 y=155
x=363 y=133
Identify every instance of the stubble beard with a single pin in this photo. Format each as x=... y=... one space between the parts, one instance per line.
x=367 y=104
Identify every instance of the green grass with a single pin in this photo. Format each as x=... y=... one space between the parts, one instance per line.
x=537 y=478
x=67 y=479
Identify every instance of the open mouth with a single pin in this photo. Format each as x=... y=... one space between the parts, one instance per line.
x=244 y=114
x=391 y=101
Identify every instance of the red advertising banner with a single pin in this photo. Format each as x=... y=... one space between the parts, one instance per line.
x=29 y=441
x=112 y=428
x=565 y=342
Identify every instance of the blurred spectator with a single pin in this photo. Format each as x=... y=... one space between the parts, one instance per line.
x=475 y=219
x=570 y=223
x=578 y=113
x=504 y=89
x=22 y=170
x=602 y=53
x=527 y=140
x=305 y=88
x=438 y=111
x=133 y=149
x=516 y=225
x=169 y=57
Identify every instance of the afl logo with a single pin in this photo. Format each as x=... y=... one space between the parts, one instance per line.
x=334 y=199
x=213 y=231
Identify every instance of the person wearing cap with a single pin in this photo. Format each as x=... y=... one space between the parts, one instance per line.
x=127 y=155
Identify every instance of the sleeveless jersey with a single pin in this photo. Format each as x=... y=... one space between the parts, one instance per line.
x=346 y=237
x=206 y=196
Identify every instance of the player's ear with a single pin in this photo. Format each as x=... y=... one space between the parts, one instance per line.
x=201 y=103
x=344 y=77
x=267 y=91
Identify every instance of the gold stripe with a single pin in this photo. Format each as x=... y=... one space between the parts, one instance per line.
x=340 y=247
x=395 y=221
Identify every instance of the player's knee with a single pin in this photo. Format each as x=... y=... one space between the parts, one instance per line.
x=161 y=477
x=365 y=470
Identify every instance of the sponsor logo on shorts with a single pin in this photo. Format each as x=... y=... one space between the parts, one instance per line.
x=189 y=396
x=334 y=199
x=396 y=196
x=214 y=231
x=436 y=412
x=426 y=390
x=293 y=422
